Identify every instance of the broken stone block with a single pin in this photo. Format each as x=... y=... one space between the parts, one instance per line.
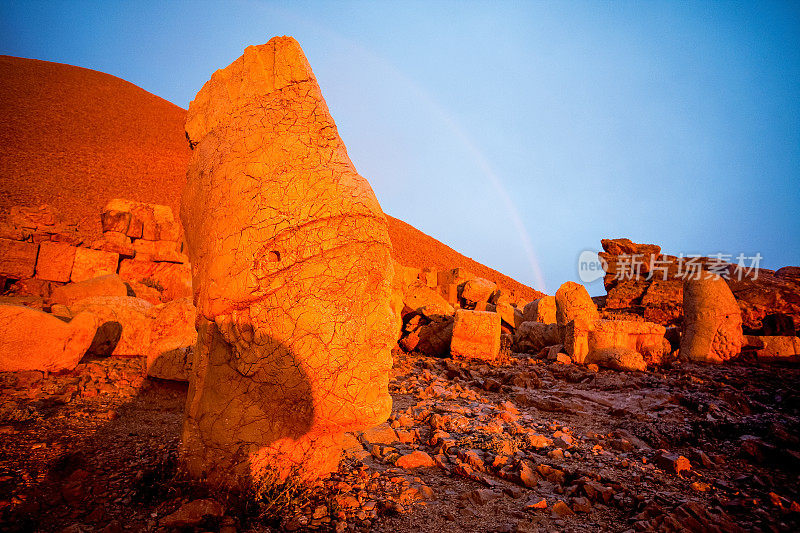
x=574 y=303
x=419 y=298
x=453 y=276
x=644 y=338
x=778 y=348
x=476 y=335
x=295 y=326
x=90 y=264
x=109 y=285
x=32 y=340
x=124 y=328
x=55 y=261
x=116 y=216
x=172 y=280
x=531 y=337
x=510 y=315
x=540 y=310
x=17 y=259
x=478 y=290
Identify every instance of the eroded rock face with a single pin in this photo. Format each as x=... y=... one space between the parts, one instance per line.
x=712 y=321
x=291 y=276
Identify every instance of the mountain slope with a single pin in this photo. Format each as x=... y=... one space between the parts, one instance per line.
x=74 y=138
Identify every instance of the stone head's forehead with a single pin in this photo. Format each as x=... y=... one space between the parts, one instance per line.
x=261 y=70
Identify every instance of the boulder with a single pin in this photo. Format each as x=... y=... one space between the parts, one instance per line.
x=540 y=310
x=171 y=358
x=109 y=285
x=574 y=303
x=140 y=220
x=476 y=335
x=531 y=337
x=712 y=321
x=125 y=325
x=295 y=327
x=33 y=340
x=478 y=290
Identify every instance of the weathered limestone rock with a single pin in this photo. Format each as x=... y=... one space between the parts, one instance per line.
x=172 y=339
x=615 y=339
x=90 y=264
x=32 y=340
x=292 y=277
x=478 y=290
x=140 y=220
x=573 y=302
x=418 y=297
x=657 y=295
x=55 y=261
x=171 y=358
x=618 y=358
x=173 y=280
x=476 y=335
x=434 y=338
x=17 y=259
x=454 y=276
x=109 y=285
x=776 y=347
x=510 y=315
x=37 y=224
x=124 y=324
x=712 y=321
x=532 y=336
x=540 y=310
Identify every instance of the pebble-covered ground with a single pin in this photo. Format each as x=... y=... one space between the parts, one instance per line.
x=524 y=446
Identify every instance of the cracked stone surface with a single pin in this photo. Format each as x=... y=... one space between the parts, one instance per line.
x=291 y=273
x=712 y=321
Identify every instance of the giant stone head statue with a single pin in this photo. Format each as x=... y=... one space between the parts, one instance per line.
x=292 y=276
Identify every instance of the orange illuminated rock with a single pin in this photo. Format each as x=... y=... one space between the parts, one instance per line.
x=476 y=335
x=540 y=310
x=644 y=338
x=532 y=336
x=32 y=340
x=55 y=261
x=712 y=321
x=574 y=303
x=17 y=259
x=292 y=277
x=124 y=324
x=478 y=290
x=110 y=285
x=90 y=264
x=173 y=280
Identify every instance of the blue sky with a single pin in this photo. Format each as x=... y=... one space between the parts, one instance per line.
x=518 y=133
